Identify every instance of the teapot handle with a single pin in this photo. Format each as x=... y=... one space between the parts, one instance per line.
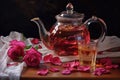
x=102 y=24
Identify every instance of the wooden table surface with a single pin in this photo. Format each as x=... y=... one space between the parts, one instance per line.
x=31 y=74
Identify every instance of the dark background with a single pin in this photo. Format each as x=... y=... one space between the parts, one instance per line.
x=15 y=15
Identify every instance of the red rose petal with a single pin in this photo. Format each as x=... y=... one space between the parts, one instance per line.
x=53 y=69
x=66 y=72
x=100 y=71
x=115 y=66
x=66 y=65
x=109 y=67
x=74 y=64
x=42 y=72
x=106 y=61
x=47 y=58
x=56 y=61
x=106 y=71
x=72 y=69
x=35 y=41
x=83 y=68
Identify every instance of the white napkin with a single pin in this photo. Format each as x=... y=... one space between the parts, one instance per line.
x=9 y=72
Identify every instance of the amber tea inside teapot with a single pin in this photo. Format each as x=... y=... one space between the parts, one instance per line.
x=63 y=35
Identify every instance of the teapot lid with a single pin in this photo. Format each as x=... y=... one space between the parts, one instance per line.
x=70 y=14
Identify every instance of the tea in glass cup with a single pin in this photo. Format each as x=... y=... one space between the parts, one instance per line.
x=87 y=54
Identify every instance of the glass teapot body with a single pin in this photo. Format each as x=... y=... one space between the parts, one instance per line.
x=67 y=31
x=63 y=37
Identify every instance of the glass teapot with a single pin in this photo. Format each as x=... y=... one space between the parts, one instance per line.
x=62 y=37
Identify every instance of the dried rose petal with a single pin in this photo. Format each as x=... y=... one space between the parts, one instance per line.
x=47 y=58
x=42 y=72
x=66 y=72
x=53 y=69
x=56 y=61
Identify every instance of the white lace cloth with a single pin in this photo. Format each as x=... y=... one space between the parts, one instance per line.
x=14 y=72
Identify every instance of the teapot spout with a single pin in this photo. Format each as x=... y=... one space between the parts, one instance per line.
x=43 y=33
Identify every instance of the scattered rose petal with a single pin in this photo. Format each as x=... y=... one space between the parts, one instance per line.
x=83 y=68
x=109 y=67
x=72 y=69
x=106 y=61
x=100 y=71
x=35 y=41
x=53 y=69
x=47 y=58
x=74 y=64
x=115 y=66
x=106 y=71
x=66 y=72
x=66 y=65
x=56 y=61
x=42 y=72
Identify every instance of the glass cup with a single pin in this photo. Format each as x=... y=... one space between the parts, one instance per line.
x=87 y=54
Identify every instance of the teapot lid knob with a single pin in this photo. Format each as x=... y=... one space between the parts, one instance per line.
x=69 y=8
x=69 y=14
